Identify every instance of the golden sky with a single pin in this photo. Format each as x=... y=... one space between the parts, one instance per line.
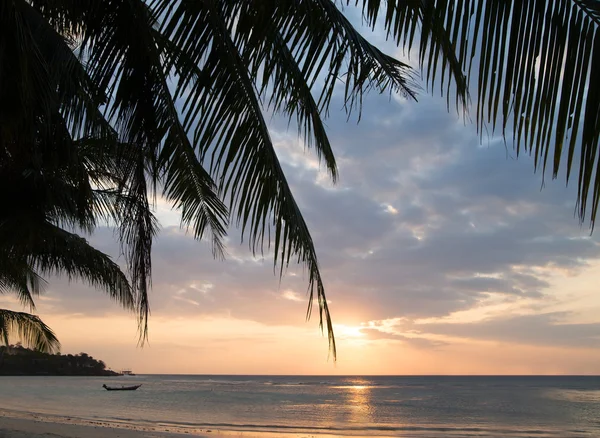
x=439 y=255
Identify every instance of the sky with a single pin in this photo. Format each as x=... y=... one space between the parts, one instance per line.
x=441 y=254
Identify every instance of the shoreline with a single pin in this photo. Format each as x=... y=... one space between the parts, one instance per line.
x=24 y=424
x=21 y=424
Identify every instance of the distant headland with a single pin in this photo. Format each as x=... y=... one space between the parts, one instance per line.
x=16 y=360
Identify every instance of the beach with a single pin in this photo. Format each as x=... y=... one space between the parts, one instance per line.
x=29 y=425
x=32 y=428
x=15 y=424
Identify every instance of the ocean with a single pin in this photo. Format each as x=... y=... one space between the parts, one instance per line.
x=391 y=406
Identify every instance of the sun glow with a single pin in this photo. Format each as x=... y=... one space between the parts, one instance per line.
x=348 y=332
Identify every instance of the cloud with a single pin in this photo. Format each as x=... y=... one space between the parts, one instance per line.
x=423 y=223
x=547 y=329
x=374 y=334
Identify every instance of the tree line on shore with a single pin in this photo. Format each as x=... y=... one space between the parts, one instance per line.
x=18 y=360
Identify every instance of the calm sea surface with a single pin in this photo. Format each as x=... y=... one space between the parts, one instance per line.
x=363 y=406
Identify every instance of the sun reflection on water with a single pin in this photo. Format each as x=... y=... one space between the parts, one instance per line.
x=359 y=401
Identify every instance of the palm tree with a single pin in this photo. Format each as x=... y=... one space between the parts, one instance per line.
x=179 y=89
x=45 y=198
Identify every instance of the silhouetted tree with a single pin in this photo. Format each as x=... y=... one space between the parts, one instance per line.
x=175 y=92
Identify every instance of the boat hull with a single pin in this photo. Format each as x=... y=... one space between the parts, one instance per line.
x=122 y=388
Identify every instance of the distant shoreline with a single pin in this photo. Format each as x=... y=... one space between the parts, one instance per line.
x=16 y=360
x=42 y=374
x=110 y=373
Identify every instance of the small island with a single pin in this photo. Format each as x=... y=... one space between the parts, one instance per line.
x=16 y=360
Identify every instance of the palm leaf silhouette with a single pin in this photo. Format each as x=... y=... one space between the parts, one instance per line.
x=29 y=328
x=169 y=97
x=531 y=66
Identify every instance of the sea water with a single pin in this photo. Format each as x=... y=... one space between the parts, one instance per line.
x=398 y=406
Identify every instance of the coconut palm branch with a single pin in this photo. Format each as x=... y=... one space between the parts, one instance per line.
x=18 y=277
x=531 y=66
x=49 y=185
x=50 y=250
x=34 y=243
x=118 y=44
x=32 y=246
x=30 y=328
x=185 y=86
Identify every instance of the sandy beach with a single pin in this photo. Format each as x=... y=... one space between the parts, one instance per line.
x=26 y=425
x=14 y=424
x=23 y=428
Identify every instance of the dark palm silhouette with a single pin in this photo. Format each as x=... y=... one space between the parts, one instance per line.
x=169 y=97
x=51 y=197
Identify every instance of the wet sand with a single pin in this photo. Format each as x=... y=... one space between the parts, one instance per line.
x=16 y=424
x=30 y=428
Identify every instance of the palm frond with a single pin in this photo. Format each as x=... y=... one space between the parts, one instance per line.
x=26 y=83
x=324 y=41
x=434 y=29
x=49 y=249
x=124 y=53
x=136 y=230
x=29 y=328
x=224 y=111
x=47 y=187
x=46 y=77
x=77 y=96
x=18 y=277
x=184 y=84
x=533 y=66
x=282 y=83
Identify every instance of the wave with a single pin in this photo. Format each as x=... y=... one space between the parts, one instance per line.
x=332 y=384
x=300 y=383
x=211 y=382
x=372 y=430
x=429 y=430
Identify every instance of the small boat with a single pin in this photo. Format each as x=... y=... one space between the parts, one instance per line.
x=122 y=388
